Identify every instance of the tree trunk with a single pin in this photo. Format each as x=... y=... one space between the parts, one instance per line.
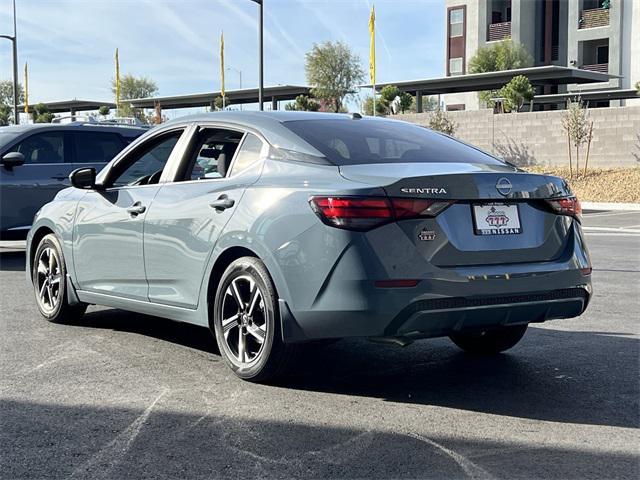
x=577 y=160
x=586 y=161
x=569 y=150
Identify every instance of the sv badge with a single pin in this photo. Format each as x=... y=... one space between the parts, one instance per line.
x=427 y=235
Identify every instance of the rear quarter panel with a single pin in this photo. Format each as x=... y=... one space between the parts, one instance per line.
x=275 y=221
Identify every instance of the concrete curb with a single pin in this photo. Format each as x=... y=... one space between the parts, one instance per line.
x=604 y=206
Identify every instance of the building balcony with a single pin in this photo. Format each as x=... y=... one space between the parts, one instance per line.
x=596 y=67
x=499 y=31
x=594 y=17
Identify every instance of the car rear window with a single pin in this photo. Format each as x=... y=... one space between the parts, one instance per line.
x=354 y=142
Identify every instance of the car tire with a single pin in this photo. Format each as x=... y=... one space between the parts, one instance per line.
x=491 y=341
x=247 y=323
x=49 y=273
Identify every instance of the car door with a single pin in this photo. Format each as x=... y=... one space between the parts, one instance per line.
x=108 y=249
x=188 y=214
x=26 y=188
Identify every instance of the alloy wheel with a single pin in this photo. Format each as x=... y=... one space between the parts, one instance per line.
x=48 y=278
x=244 y=319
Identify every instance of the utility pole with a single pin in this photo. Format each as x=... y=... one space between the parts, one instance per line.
x=14 y=40
x=261 y=53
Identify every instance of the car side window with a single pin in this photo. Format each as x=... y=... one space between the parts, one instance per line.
x=39 y=148
x=145 y=165
x=212 y=153
x=248 y=154
x=96 y=147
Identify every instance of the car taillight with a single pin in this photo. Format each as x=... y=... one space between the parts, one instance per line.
x=364 y=213
x=567 y=206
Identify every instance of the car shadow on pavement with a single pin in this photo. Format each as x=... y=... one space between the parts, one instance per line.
x=552 y=375
x=184 y=334
x=48 y=440
x=12 y=260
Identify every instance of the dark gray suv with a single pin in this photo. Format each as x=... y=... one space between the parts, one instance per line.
x=36 y=160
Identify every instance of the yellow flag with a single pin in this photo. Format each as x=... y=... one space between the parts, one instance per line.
x=117 y=80
x=222 y=64
x=26 y=89
x=372 y=48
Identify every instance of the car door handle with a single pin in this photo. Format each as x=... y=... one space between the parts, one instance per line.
x=60 y=177
x=136 y=209
x=222 y=203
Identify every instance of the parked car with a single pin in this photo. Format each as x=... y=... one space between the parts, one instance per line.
x=283 y=228
x=36 y=160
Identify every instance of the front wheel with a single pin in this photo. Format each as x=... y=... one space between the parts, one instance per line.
x=491 y=341
x=49 y=283
x=246 y=322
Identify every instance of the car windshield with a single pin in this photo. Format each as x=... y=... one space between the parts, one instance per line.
x=5 y=138
x=353 y=142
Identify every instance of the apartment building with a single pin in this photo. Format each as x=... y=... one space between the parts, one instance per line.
x=597 y=35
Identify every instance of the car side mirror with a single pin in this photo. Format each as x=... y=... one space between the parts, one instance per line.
x=84 y=178
x=12 y=159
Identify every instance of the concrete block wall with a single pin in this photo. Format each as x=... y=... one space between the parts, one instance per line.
x=537 y=138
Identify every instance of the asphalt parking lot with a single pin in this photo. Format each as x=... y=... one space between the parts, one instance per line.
x=128 y=396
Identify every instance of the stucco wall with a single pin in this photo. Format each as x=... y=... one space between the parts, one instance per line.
x=537 y=138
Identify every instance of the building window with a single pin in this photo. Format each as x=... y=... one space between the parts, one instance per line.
x=602 y=54
x=455 y=107
x=456 y=22
x=455 y=66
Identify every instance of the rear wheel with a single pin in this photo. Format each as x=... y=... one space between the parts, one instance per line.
x=490 y=341
x=49 y=273
x=245 y=320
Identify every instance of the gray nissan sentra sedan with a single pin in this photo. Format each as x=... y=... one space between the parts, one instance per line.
x=284 y=228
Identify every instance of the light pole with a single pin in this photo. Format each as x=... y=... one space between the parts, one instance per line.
x=14 y=40
x=240 y=75
x=260 y=48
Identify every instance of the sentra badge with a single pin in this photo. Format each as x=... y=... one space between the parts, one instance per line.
x=422 y=191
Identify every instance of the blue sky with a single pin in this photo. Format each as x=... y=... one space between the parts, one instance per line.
x=69 y=44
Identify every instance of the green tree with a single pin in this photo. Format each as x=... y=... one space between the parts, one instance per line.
x=503 y=55
x=516 y=93
x=575 y=121
x=442 y=122
x=133 y=87
x=217 y=103
x=391 y=101
x=406 y=100
x=389 y=93
x=303 y=104
x=6 y=101
x=333 y=71
x=367 y=107
x=104 y=110
x=41 y=114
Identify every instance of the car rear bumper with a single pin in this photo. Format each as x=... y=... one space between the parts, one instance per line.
x=437 y=317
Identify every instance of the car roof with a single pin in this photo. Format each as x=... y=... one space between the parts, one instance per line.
x=278 y=116
x=124 y=130
x=270 y=124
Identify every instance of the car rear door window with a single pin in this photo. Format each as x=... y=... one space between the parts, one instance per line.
x=96 y=147
x=42 y=148
x=248 y=154
x=212 y=154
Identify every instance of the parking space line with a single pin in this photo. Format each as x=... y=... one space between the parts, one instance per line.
x=609 y=214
